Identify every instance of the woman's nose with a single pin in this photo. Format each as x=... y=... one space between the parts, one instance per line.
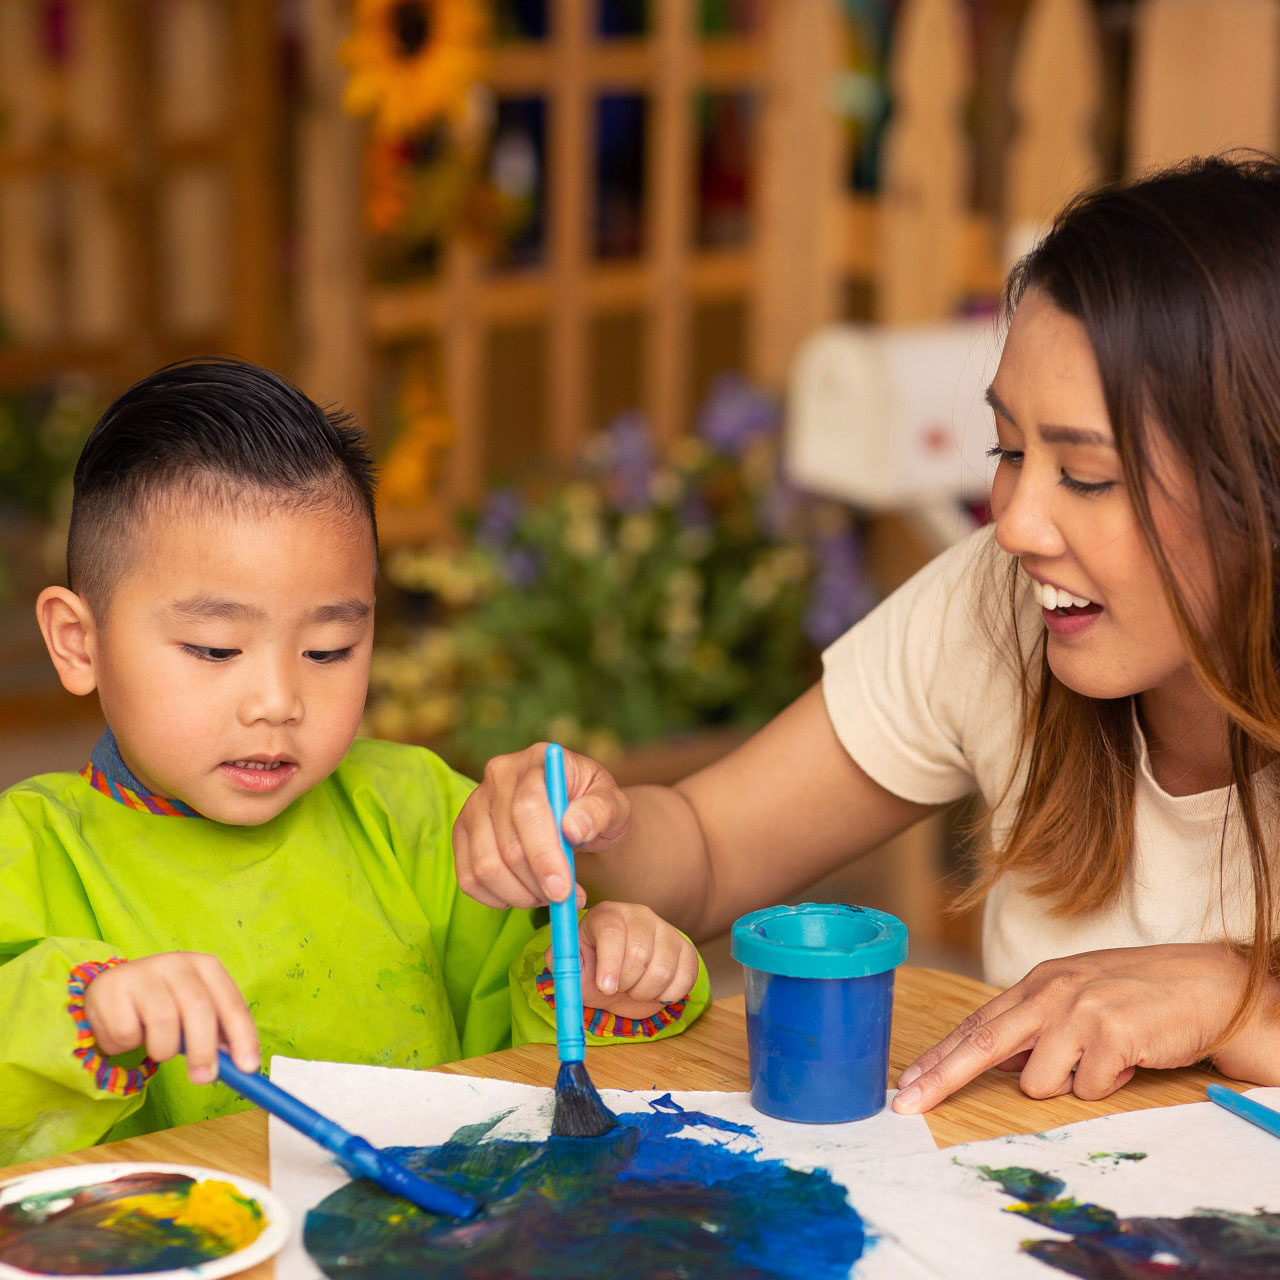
x=1022 y=503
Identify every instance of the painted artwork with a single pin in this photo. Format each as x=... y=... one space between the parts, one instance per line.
x=126 y=1220
x=1183 y=1193
x=694 y=1184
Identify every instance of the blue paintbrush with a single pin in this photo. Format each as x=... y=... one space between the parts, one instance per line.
x=579 y=1111
x=1245 y=1108
x=357 y=1156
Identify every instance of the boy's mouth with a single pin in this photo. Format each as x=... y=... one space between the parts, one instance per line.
x=259 y=774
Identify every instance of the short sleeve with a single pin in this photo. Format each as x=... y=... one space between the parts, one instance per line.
x=920 y=691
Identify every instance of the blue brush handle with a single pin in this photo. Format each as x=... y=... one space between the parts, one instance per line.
x=355 y=1155
x=566 y=965
x=1246 y=1108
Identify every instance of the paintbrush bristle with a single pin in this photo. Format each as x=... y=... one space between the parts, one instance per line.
x=579 y=1110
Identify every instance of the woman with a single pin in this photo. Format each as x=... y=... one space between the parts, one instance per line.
x=1100 y=664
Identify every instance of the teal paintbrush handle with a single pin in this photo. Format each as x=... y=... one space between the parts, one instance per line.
x=566 y=965
x=1246 y=1108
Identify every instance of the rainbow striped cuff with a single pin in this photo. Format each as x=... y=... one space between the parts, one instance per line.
x=135 y=799
x=108 y=1077
x=600 y=1022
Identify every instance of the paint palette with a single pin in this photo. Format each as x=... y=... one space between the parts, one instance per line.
x=159 y=1221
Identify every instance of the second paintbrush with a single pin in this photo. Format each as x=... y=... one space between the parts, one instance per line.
x=579 y=1111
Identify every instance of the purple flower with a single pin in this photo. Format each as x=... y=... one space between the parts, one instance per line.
x=500 y=515
x=841 y=592
x=735 y=413
x=694 y=513
x=778 y=510
x=628 y=461
x=521 y=567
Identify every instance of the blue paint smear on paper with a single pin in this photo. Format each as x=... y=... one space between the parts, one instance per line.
x=639 y=1202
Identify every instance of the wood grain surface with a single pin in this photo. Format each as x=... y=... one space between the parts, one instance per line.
x=712 y=1054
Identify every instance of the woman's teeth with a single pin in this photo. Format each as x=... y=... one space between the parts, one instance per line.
x=1050 y=597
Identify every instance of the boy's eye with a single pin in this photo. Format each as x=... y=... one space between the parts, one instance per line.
x=206 y=654
x=326 y=656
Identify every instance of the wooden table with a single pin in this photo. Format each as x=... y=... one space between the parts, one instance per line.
x=712 y=1054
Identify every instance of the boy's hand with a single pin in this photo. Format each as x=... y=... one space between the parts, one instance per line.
x=633 y=961
x=504 y=840
x=170 y=1000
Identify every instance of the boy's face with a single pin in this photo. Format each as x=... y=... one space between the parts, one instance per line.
x=234 y=658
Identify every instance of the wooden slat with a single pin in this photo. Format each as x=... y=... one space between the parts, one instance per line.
x=923 y=200
x=1205 y=77
x=464 y=347
x=671 y=177
x=256 y=215
x=796 y=186
x=531 y=68
x=28 y=284
x=1057 y=95
x=335 y=364
x=570 y=187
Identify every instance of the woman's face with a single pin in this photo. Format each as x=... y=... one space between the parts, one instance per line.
x=1061 y=507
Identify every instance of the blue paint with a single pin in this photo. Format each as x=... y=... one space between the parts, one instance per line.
x=819 y=1008
x=640 y=1201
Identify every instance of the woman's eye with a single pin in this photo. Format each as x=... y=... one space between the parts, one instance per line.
x=206 y=654
x=1012 y=456
x=1090 y=489
x=326 y=656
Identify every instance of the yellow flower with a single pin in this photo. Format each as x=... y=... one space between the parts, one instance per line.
x=413 y=61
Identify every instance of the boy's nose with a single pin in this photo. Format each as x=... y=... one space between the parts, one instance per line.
x=274 y=698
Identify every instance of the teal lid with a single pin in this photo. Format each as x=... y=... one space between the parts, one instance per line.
x=819 y=940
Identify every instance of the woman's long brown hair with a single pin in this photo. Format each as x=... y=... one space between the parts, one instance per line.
x=1176 y=279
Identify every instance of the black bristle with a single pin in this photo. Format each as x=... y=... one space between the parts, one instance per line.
x=579 y=1111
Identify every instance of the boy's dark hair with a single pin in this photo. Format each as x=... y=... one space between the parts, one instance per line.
x=210 y=430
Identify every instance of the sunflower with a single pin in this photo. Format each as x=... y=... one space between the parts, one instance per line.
x=412 y=62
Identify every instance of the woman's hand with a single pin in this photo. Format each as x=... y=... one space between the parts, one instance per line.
x=633 y=962
x=504 y=840
x=1085 y=1023
x=168 y=1001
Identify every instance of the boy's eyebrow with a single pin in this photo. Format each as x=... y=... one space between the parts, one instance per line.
x=1050 y=432
x=345 y=611
x=207 y=606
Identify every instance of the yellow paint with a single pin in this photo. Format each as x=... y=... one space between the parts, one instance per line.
x=211 y=1205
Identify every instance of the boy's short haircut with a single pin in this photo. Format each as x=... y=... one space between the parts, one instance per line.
x=215 y=431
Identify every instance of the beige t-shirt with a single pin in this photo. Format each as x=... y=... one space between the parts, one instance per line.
x=926 y=702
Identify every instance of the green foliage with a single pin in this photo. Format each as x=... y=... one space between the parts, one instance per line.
x=634 y=604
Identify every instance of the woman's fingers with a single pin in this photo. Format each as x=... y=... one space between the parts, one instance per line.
x=979 y=1049
x=978 y=1018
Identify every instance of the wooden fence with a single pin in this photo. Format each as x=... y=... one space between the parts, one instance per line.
x=1204 y=75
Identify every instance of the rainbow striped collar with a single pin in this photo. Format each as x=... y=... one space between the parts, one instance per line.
x=107 y=772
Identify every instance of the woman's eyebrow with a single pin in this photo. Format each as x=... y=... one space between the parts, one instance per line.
x=1054 y=433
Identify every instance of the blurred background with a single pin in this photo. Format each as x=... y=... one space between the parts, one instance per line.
x=669 y=318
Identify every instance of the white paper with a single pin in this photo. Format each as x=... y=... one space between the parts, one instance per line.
x=956 y=1223
x=392 y=1107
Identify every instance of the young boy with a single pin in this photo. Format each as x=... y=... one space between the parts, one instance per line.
x=231 y=866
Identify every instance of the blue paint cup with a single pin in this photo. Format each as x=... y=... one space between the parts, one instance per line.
x=819 y=1005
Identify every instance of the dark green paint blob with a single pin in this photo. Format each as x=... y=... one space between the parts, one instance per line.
x=1210 y=1244
x=638 y=1202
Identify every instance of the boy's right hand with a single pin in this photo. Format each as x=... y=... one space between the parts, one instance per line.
x=168 y=1001
x=504 y=840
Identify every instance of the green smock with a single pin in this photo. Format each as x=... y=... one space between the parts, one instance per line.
x=340 y=920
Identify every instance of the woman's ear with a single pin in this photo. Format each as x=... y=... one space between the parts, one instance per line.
x=70 y=635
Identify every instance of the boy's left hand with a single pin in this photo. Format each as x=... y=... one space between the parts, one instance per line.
x=633 y=961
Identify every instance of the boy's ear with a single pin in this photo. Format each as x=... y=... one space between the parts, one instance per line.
x=70 y=635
